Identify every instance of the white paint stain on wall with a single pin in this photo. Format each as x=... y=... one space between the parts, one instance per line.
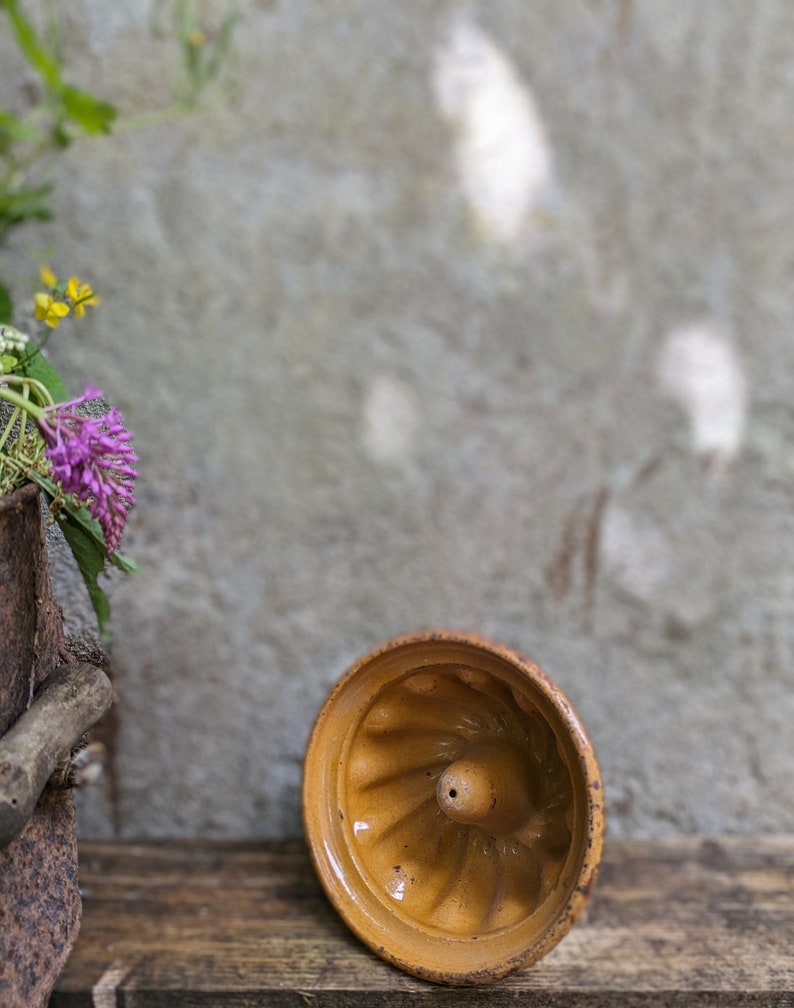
x=503 y=155
x=390 y=419
x=700 y=370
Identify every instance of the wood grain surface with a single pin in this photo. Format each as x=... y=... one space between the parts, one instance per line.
x=681 y=921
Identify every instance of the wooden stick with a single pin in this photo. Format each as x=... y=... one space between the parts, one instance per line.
x=72 y=699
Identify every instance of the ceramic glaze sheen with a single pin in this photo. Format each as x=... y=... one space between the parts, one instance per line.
x=453 y=807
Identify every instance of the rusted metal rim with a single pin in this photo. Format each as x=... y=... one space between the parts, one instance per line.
x=18 y=497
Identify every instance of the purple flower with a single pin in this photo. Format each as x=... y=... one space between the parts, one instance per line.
x=93 y=458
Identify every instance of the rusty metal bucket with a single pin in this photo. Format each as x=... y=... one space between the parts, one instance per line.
x=39 y=896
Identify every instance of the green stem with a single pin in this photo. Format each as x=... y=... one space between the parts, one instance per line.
x=9 y=427
x=22 y=402
x=29 y=385
x=157 y=117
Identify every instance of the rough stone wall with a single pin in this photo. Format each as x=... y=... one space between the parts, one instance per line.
x=472 y=315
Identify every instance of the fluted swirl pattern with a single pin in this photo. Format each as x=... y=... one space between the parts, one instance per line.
x=459 y=878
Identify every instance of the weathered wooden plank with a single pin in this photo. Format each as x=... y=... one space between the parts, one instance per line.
x=682 y=921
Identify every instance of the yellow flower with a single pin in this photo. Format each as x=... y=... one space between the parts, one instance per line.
x=48 y=278
x=50 y=310
x=81 y=294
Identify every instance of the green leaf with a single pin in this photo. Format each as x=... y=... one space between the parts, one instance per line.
x=42 y=61
x=124 y=562
x=86 y=544
x=91 y=561
x=37 y=366
x=6 y=305
x=84 y=536
x=24 y=204
x=92 y=114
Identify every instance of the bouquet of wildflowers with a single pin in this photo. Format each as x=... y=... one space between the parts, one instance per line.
x=77 y=450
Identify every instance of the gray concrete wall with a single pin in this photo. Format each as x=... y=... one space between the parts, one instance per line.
x=447 y=314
